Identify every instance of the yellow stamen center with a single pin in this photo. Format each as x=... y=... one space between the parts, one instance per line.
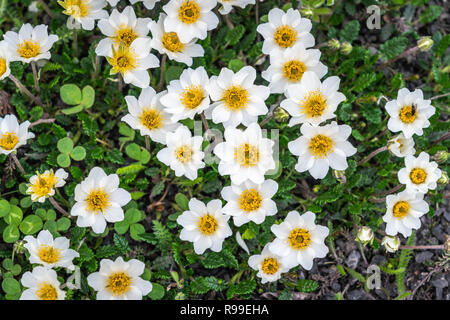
x=189 y=12
x=207 y=225
x=44 y=184
x=125 y=35
x=151 y=118
x=401 y=209
x=299 y=239
x=418 y=176
x=75 y=8
x=118 y=283
x=270 y=266
x=321 y=146
x=8 y=140
x=49 y=254
x=97 y=201
x=46 y=291
x=2 y=66
x=247 y=155
x=250 y=200
x=172 y=42
x=293 y=70
x=184 y=153
x=192 y=97
x=314 y=104
x=407 y=115
x=29 y=49
x=285 y=36
x=235 y=98
x=123 y=60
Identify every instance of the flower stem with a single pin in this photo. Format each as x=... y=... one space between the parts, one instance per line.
x=147 y=143
x=120 y=81
x=35 y=76
x=16 y=161
x=205 y=122
x=41 y=121
x=161 y=76
x=75 y=41
x=440 y=96
x=372 y=154
x=46 y=8
x=27 y=92
x=58 y=207
x=431 y=247
x=404 y=54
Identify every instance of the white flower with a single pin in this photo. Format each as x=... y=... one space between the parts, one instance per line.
x=238 y=99
x=401 y=147
x=269 y=265
x=320 y=148
x=245 y=154
x=5 y=58
x=284 y=30
x=133 y=62
x=289 y=66
x=227 y=5
x=120 y=280
x=99 y=199
x=419 y=174
x=50 y=253
x=183 y=153
x=169 y=43
x=409 y=113
x=311 y=100
x=121 y=29
x=42 y=284
x=250 y=201
x=83 y=13
x=187 y=96
x=149 y=4
x=13 y=135
x=390 y=243
x=43 y=185
x=149 y=116
x=205 y=226
x=403 y=212
x=30 y=44
x=299 y=240
x=190 y=18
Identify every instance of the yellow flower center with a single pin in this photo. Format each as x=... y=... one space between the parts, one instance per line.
x=150 y=118
x=29 y=49
x=235 y=98
x=184 y=153
x=299 y=239
x=293 y=70
x=321 y=146
x=118 y=283
x=2 y=66
x=314 y=104
x=407 y=114
x=247 y=155
x=172 y=42
x=75 y=8
x=192 y=96
x=46 y=291
x=97 y=201
x=44 y=184
x=250 y=200
x=123 y=60
x=285 y=36
x=418 y=176
x=270 y=265
x=401 y=209
x=49 y=254
x=189 y=12
x=207 y=225
x=8 y=140
x=125 y=35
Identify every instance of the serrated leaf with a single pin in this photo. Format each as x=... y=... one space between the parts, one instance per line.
x=306 y=285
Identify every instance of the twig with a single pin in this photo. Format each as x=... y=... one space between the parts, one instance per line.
x=46 y=8
x=16 y=161
x=119 y=81
x=35 y=76
x=147 y=143
x=161 y=76
x=27 y=92
x=205 y=122
x=430 y=247
x=444 y=137
x=440 y=96
x=104 y=143
x=423 y=281
x=372 y=154
x=58 y=207
x=41 y=121
x=383 y=194
x=404 y=54
x=228 y=21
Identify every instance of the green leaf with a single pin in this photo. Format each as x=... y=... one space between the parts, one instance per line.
x=157 y=292
x=393 y=47
x=372 y=113
x=157 y=188
x=121 y=244
x=234 y=35
x=138 y=153
x=70 y=94
x=4 y=208
x=430 y=14
x=11 y=286
x=131 y=169
x=132 y=215
x=78 y=153
x=72 y=110
x=135 y=230
x=245 y=287
x=235 y=65
x=173 y=73
x=63 y=224
x=63 y=160
x=306 y=285
x=31 y=224
x=15 y=215
x=11 y=234
x=202 y=285
x=350 y=31
x=65 y=145
x=364 y=81
x=121 y=227
x=88 y=97
x=182 y=201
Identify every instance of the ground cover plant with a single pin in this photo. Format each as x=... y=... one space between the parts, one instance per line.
x=204 y=149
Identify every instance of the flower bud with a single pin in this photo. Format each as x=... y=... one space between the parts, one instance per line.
x=443 y=179
x=340 y=176
x=440 y=157
x=281 y=115
x=306 y=12
x=365 y=235
x=346 y=48
x=425 y=43
x=334 y=44
x=391 y=243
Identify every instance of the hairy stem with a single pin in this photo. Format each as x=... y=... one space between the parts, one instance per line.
x=35 y=76
x=58 y=207
x=372 y=154
x=16 y=161
x=27 y=92
x=161 y=75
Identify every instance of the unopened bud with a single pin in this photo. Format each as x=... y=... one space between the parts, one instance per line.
x=307 y=12
x=346 y=48
x=334 y=44
x=365 y=235
x=425 y=43
x=391 y=243
x=441 y=156
x=443 y=179
x=340 y=176
x=281 y=115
